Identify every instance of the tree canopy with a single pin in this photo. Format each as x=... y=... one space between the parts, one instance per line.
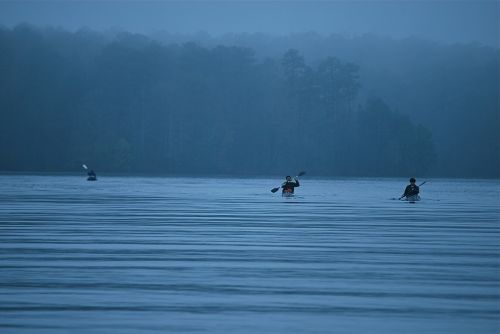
x=129 y=103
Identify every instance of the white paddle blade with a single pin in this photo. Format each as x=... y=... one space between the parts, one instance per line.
x=85 y=166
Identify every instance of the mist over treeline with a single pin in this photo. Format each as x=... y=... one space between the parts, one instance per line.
x=247 y=104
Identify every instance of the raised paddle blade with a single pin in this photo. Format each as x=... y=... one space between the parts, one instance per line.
x=301 y=173
x=274 y=190
x=85 y=166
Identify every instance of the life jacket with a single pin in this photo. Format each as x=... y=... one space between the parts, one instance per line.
x=411 y=190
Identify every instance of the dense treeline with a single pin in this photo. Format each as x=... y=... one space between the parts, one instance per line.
x=451 y=89
x=127 y=103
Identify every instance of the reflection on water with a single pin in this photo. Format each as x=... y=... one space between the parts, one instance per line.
x=140 y=255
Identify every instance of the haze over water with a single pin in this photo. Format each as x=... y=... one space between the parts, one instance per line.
x=225 y=255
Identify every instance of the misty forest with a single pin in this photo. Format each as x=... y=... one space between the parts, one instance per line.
x=247 y=104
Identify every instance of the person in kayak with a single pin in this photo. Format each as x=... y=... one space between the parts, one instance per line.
x=92 y=174
x=289 y=185
x=412 y=189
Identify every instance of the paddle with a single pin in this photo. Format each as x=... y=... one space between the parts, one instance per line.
x=85 y=166
x=277 y=188
x=421 y=184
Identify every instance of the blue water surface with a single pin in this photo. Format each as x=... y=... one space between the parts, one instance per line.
x=225 y=255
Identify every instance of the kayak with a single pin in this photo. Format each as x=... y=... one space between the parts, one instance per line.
x=92 y=178
x=287 y=194
x=413 y=198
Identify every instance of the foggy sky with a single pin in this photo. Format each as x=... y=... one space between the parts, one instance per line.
x=443 y=21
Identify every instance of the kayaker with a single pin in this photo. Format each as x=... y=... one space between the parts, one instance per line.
x=289 y=185
x=92 y=175
x=412 y=189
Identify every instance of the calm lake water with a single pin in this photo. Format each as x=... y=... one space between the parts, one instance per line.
x=220 y=255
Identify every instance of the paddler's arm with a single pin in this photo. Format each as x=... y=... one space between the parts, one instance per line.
x=407 y=191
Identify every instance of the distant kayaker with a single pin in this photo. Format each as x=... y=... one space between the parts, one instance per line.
x=412 y=189
x=92 y=175
x=289 y=185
